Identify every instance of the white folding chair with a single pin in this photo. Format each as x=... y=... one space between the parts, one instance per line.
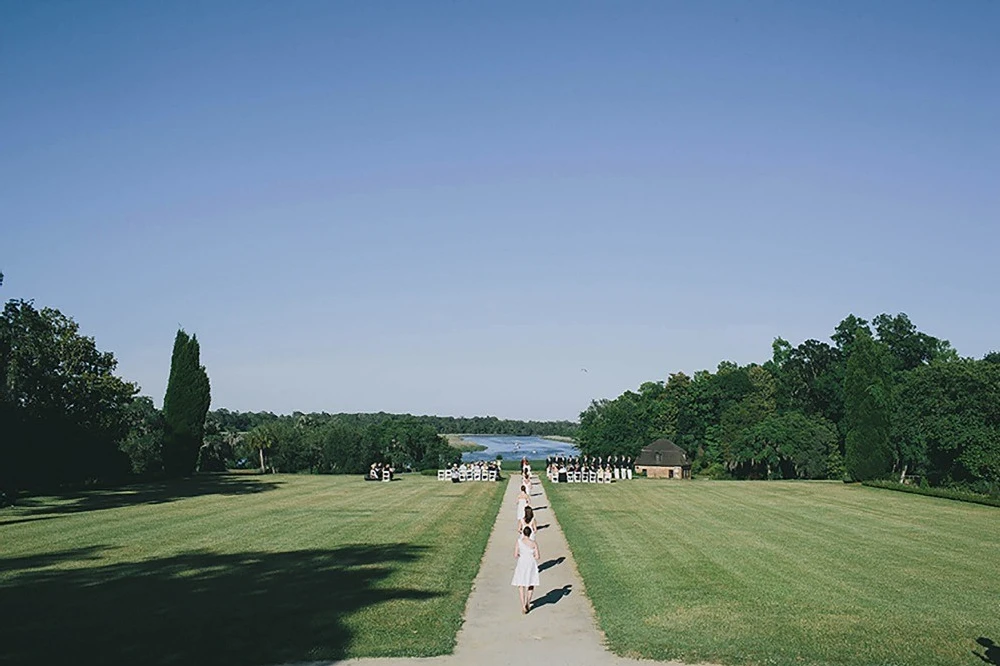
x=386 y=476
x=493 y=475
x=442 y=475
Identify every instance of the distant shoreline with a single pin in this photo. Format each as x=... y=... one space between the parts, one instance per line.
x=560 y=438
x=457 y=442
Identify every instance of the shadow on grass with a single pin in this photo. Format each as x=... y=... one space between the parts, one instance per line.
x=552 y=596
x=31 y=519
x=548 y=564
x=249 y=608
x=87 y=554
x=991 y=654
x=147 y=493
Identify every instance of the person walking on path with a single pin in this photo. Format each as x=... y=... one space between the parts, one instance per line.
x=528 y=520
x=522 y=501
x=526 y=571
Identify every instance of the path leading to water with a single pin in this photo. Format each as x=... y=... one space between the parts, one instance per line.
x=560 y=628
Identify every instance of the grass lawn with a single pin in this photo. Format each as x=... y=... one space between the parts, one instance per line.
x=785 y=572
x=241 y=570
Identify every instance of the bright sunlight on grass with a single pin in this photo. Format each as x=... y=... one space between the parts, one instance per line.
x=242 y=570
x=784 y=572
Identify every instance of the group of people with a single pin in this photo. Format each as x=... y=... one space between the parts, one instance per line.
x=526 y=546
x=562 y=469
x=380 y=472
x=479 y=470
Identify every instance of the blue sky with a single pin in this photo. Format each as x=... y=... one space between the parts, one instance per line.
x=453 y=208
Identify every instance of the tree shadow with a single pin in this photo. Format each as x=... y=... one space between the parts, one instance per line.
x=78 y=501
x=551 y=563
x=552 y=596
x=86 y=554
x=29 y=519
x=250 y=608
x=991 y=653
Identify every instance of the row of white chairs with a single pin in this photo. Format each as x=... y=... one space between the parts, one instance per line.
x=591 y=476
x=469 y=475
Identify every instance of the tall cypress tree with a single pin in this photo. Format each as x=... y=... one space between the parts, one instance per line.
x=867 y=409
x=185 y=406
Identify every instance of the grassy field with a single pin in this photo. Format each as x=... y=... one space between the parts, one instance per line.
x=785 y=572
x=241 y=570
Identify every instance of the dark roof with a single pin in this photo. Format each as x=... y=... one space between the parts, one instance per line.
x=662 y=453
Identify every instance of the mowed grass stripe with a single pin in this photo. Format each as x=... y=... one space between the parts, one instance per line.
x=243 y=570
x=784 y=572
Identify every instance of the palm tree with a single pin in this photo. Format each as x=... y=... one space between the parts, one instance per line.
x=261 y=438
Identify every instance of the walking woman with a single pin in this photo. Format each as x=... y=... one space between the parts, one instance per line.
x=522 y=501
x=526 y=571
x=528 y=520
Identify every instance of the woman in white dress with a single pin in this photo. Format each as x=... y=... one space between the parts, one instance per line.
x=522 y=501
x=526 y=572
x=528 y=520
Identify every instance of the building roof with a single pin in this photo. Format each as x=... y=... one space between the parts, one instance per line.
x=662 y=453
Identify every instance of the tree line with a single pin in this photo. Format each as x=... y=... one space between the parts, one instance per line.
x=348 y=443
x=479 y=425
x=881 y=399
x=66 y=419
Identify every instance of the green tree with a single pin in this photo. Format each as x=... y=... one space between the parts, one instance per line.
x=618 y=426
x=908 y=347
x=62 y=409
x=184 y=406
x=144 y=442
x=736 y=449
x=847 y=331
x=947 y=423
x=867 y=409
x=791 y=445
x=811 y=380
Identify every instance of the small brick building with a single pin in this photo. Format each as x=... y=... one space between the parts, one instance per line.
x=663 y=460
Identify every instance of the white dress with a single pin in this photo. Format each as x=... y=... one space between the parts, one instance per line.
x=521 y=503
x=526 y=571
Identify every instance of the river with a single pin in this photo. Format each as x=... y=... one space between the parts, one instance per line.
x=513 y=448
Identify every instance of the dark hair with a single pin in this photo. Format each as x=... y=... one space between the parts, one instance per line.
x=528 y=514
x=527 y=531
x=522 y=489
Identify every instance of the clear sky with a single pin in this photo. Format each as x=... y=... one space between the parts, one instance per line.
x=454 y=208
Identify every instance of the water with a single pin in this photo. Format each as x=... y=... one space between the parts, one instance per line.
x=513 y=448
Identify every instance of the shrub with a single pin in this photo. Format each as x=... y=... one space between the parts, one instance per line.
x=944 y=493
x=715 y=471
